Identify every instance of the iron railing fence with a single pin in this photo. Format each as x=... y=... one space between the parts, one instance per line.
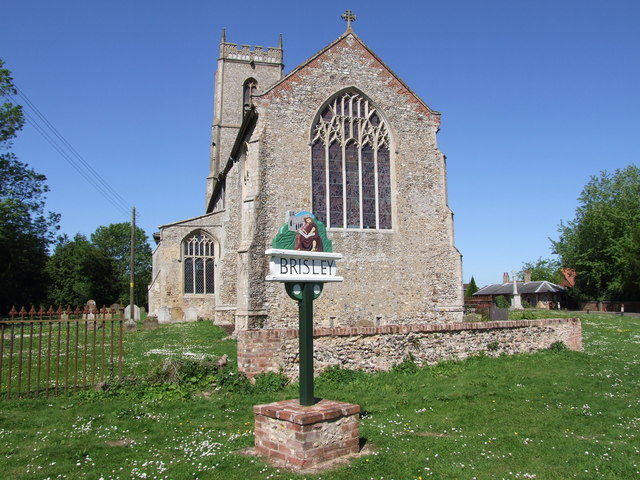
x=54 y=351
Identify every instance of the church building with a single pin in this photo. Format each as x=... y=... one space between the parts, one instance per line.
x=340 y=136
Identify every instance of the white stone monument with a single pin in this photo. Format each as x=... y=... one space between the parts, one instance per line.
x=516 y=303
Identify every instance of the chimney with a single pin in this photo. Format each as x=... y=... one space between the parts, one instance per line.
x=505 y=277
x=527 y=276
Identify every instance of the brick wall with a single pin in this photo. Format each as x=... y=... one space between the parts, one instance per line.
x=380 y=348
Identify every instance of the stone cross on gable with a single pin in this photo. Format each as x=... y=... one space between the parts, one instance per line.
x=349 y=17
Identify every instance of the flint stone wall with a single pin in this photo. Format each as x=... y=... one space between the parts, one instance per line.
x=380 y=348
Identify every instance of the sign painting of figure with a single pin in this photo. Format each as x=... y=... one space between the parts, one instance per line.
x=308 y=237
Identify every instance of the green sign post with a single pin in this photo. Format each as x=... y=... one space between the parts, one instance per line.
x=305 y=308
x=304 y=270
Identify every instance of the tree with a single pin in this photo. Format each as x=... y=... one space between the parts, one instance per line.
x=26 y=229
x=80 y=271
x=115 y=241
x=602 y=242
x=471 y=288
x=543 y=269
x=11 y=116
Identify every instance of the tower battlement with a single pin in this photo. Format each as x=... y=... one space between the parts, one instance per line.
x=246 y=53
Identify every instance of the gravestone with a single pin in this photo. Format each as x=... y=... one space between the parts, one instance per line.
x=136 y=312
x=191 y=314
x=118 y=311
x=150 y=323
x=498 y=314
x=91 y=308
x=164 y=315
x=177 y=314
x=93 y=315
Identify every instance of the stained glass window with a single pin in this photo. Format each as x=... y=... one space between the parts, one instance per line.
x=351 y=165
x=384 y=188
x=335 y=185
x=352 y=176
x=318 y=173
x=198 y=260
x=368 y=188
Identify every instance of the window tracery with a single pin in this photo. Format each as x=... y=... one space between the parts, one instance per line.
x=198 y=256
x=351 y=165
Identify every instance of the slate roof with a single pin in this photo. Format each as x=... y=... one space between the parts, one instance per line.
x=528 y=287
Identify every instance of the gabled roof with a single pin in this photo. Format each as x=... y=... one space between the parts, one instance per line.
x=343 y=39
x=173 y=224
x=522 y=287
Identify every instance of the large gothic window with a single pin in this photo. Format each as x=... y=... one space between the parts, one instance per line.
x=198 y=254
x=351 y=165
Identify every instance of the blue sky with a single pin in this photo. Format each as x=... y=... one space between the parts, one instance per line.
x=536 y=97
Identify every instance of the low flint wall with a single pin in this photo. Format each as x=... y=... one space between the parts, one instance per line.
x=611 y=306
x=380 y=348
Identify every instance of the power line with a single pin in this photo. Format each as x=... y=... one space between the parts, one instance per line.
x=86 y=170
x=71 y=155
x=104 y=192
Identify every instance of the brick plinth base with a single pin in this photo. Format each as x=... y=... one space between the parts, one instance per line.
x=306 y=436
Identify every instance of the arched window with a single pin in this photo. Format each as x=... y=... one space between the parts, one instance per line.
x=198 y=258
x=351 y=165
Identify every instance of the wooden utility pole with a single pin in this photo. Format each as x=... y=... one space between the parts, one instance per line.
x=131 y=324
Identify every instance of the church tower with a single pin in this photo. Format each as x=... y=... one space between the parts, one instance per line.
x=242 y=72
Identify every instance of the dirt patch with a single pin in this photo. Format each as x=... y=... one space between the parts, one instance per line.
x=431 y=434
x=123 y=442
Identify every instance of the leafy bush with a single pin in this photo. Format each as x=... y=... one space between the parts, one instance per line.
x=472 y=317
x=523 y=315
x=231 y=380
x=181 y=371
x=407 y=366
x=502 y=302
x=558 y=347
x=447 y=368
x=177 y=377
x=270 y=382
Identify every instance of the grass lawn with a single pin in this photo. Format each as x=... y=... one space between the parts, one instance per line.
x=550 y=415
